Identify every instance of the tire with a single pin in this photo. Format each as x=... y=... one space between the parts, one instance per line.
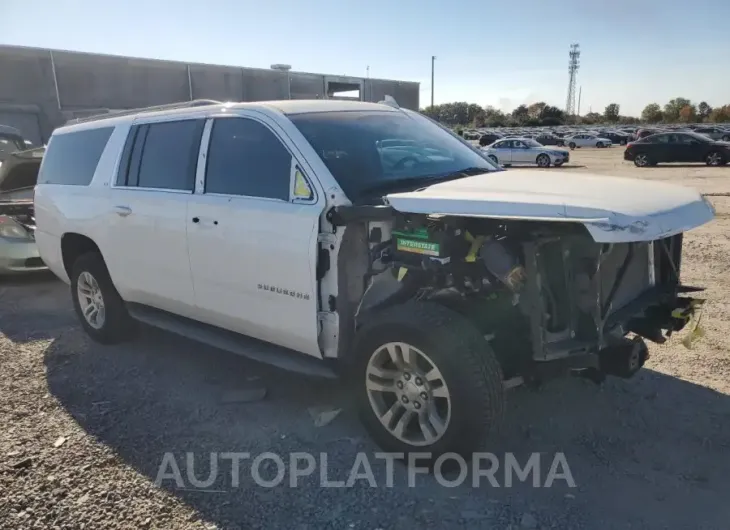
x=558 y=164
x=494 y=159
x=113 y=325
x=714 y=158
x=571 y=145
x=599 y=144
x=726 y=138
x=470 y=373
x=543 y=160
x=642 y=160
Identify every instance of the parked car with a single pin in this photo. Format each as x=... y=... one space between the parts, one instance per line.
x=616 y=137
x=549 y=139
x=18 y=250
x=525 y=151
x=10 y=141
x=714 y=133
x=643 y=133
x=275 y=230
x=677 y=147
x=18 y=176
x=489 y=138
x=586 y=140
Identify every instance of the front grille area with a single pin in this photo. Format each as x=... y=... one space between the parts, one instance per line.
x=33 y=262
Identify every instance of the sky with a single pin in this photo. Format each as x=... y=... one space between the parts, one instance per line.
x=633 y=52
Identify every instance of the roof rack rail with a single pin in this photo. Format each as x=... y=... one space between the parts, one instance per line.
x=155 y=108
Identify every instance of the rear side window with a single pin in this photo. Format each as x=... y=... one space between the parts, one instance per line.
x=246 y=158
x=161 y=155
x=71 y=158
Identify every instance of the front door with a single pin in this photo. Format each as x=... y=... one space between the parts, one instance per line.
x=145 y=246
x=503 y=151
x=253 y=225
x=521 y=153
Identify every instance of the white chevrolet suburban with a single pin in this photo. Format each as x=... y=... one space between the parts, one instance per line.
x=363 y=240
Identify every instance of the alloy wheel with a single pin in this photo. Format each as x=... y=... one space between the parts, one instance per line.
x=714 y=159
x=91 y=300
x=641 y=160
x=408 y=394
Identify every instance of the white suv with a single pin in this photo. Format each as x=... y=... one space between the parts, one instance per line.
x=370 y=241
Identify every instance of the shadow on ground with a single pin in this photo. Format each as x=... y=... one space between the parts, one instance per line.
x=648 y=452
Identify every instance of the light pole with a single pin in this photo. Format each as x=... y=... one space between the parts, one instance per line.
x=284 y=68
x=433 y=60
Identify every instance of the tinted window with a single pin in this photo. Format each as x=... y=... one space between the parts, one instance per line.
x=169 y=155
x=246 y=158
x=660 y=139
x=71 y=158
x=349 y=145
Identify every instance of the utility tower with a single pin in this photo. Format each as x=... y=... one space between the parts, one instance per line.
x=573 y=66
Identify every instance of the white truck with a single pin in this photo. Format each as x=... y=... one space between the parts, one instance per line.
x=365 y=241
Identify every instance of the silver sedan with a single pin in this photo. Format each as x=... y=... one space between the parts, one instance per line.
x=511 y=151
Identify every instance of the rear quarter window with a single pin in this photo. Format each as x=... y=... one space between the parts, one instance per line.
x=71 y=158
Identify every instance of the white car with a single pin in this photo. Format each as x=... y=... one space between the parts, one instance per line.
x=512 y=151
x=586 y=140
x=291 y=233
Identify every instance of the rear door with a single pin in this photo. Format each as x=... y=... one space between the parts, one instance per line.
x=253 y=225
x=146 y=246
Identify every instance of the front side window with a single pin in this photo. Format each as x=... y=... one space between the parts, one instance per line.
x=246 y=158
x=71 y=158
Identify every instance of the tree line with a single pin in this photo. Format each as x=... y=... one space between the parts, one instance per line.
x=678 y=110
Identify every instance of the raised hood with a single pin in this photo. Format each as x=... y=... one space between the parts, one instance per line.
x=612 y=209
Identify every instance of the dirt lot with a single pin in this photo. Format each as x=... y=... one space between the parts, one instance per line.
x=85 y=427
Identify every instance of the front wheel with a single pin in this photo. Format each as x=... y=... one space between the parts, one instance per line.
x=599 y=144
x=97 y=303
x=427 y=381
x=726 y=138
x=543 y=160
x=494 y=159
x=571 y=145
x=714 y=159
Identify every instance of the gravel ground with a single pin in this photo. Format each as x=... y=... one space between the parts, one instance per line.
x=86 y=427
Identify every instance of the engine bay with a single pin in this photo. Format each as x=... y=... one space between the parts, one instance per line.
x=537 y=291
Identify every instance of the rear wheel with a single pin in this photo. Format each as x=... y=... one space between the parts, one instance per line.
x=427 y=381
x=543 y=160
x=714 y=158
x=97 y=303
x=642 y=160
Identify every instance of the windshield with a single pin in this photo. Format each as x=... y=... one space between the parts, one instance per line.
x=368 y=150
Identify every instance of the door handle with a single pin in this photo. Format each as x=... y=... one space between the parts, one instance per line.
x=196 y=219
x=123 y=211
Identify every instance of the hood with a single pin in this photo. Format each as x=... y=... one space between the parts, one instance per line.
x=612 y=209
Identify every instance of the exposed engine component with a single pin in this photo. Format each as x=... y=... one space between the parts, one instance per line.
x=502 y=264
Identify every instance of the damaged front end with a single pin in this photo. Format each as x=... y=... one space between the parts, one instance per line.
x=546 y=295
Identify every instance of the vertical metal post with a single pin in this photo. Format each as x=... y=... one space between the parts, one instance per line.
x=190 y=83
x=433 y=60
x=580 y=93
x=55 y=80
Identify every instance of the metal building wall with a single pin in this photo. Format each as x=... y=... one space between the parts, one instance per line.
x=40 y=89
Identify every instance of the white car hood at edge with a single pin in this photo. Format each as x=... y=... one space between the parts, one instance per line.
x=613 y=209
